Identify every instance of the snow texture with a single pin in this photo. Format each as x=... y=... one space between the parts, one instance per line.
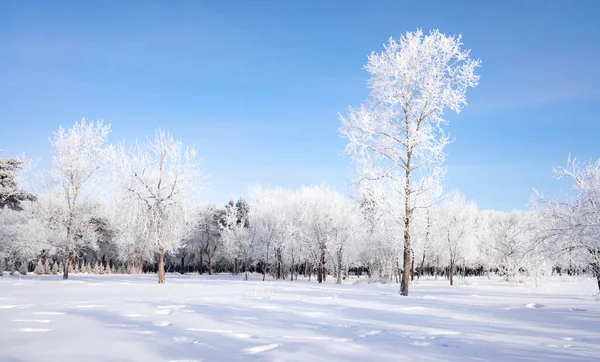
x=222 y=318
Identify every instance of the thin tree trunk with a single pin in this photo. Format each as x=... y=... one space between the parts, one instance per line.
x=422 y=265
x=265 y=266
x=201 y=261
x=412 y=267
x=305 y=267
x=182 y=265
x=322 y=270
x=451 y=272
x=43 y=262
x=407 y=219
x=235 y=271
x=161 y=265
x=66 y=264
x=596 y=271
x=339 y=267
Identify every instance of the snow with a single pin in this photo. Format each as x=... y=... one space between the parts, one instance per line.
x=223 y=318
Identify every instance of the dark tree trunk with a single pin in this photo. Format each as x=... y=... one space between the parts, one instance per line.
x=451 y=272
x=66 y=264
x=201 y=262
x=412 y=267
x=182 y=271
x=305 y=267
x=422 y=265
x=322 y=272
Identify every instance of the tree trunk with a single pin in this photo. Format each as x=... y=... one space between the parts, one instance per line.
x=451 y=272
x=339 y=267
x=305 y=267
x=596 y=272
x=66 y=264
x=210 y=266
x=422 y=265
x=279 y=262
x=412 y=267
x=322 y=271
x=182 y=265
x=43 y=263
x=407 y=219
x=161 y=265
x=235 y=271
x=201 y=261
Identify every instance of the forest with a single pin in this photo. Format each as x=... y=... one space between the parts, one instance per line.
x=136 y=208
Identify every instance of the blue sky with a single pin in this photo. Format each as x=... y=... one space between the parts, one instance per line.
x=257 y=86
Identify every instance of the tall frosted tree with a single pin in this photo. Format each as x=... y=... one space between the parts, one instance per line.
x=155 y=180
x=78 y=154
x=398 y=133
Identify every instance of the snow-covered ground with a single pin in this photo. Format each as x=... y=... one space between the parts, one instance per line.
x=222 y=318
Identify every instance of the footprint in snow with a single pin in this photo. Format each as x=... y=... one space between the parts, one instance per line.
x=577 y=310
x=421 y=344
x=183 y=339
x=177 y=306
x=369 y=333
x=27 y=330
x=261 y=349
x=534 y=305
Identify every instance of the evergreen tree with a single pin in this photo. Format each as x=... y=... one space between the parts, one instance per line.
x=10 y=194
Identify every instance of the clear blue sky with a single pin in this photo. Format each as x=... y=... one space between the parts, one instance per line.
x=256 y=86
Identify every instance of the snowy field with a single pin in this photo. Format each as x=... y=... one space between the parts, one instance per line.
x=222 y=318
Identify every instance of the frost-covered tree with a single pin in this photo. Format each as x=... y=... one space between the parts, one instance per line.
x=78 y=154
x=507 y=241
x=398 y=134
x=155 y=181
x=573 y=225
x=457 y=218
x=205 y=237
x=272 y=216
x=329 y=224
x=11 y=195
x=240 y=237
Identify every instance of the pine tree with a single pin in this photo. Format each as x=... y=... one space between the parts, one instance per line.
x=39 y=268
x=10 y=194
